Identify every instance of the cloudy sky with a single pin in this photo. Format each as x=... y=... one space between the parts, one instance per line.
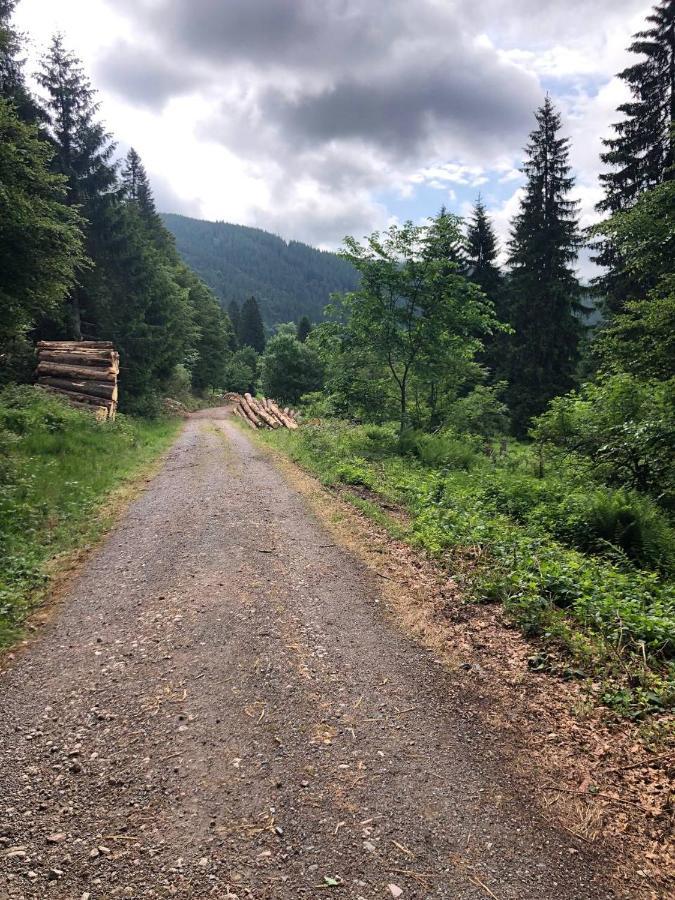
x=318 y=118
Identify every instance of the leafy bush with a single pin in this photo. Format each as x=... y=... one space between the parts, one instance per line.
x=624 y=427
x=560 y=552
x=481 y=412
x=440 y=450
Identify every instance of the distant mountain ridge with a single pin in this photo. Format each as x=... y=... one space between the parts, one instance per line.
x=288 y=280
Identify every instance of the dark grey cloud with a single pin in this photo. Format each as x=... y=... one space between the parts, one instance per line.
x=143 y=76
x=470 y=98
x=269 y=33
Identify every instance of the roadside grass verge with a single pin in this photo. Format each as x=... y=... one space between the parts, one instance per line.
x=58 y=473
x=584 y=570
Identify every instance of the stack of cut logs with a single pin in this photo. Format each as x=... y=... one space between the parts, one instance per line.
x=259 y=412
x=83 y=372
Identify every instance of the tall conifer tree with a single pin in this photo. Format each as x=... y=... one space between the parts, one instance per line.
x=234 y=312
x=303 y=330
x=543 y=289
x=12 y=82
x=84 y=151
x=483 y=270
x=136 y=189
x=251 y=331
x=641 y=154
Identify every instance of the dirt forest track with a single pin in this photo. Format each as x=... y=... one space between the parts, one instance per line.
x=222 y=707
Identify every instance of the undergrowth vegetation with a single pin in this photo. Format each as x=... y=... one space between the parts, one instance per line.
x=58 y=468
x=584 y=567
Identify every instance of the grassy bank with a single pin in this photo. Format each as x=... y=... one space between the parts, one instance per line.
x=584 y=569
x=58 y=470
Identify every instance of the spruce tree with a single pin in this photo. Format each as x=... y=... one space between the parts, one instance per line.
x=83 y=155
x=642 y=150
x=482 y=249
x=40 y=237
x=12 y=82
x=303 y=330
x=251 y=331
x=641 y=154
x=543 y=301
x=483 y=270
x=234 y=313
x=449 y=242
x=136 y=189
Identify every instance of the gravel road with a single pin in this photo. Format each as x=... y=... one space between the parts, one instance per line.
x=222 y=707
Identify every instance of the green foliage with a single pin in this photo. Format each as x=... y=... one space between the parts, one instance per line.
x=57 y=467
x=214 y=336
x=481 y=411
x=141 y=303
x=639 y=155
x=640 y=339
x=290 y=368
x=12 y=81
x=543 y=289
x=40 y=241
x=251 y=332
x=241 y=371
x=414 y=314
x=304 y=328
x=578 y=566
x=288 y=278
x=444 y=450
x=624 y=427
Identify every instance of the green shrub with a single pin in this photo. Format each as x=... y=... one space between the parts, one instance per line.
x=625 y=429
x=440 y=450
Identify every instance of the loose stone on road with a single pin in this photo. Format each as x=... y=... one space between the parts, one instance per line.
x=222 y=707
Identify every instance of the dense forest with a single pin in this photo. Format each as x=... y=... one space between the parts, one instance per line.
x=288 y=279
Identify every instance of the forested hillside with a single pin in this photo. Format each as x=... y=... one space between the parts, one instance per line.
x=289 y=280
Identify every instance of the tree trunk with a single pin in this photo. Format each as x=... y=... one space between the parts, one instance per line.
x=262 y=413
x=75 y=345
x=248 y=411
x=78 y=373
x=237 y=411
x=103 y=358
x=107 y=390
x=82 y=399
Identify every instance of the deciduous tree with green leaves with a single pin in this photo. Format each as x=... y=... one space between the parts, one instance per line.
x=290 y=368
x=414 y=310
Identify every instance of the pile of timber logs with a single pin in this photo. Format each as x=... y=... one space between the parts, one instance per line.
x=83 y=372
x=259 y=412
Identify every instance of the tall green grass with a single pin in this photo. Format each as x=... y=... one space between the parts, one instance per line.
x=576 y=564
x=58 y=468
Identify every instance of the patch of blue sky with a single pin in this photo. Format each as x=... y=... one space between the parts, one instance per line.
x=418 y=201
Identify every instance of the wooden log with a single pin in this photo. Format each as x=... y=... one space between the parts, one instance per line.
x=285 y=420
x=107 y=390
x=80 y=398
x=100 y=412
x=274 y=411
x=260 y=412
x=237 y=411
x=77 y=373
x=248 y=412
x=93 y=358
x=75 y=345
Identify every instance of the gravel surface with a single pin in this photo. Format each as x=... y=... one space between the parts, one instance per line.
x=223 y=708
